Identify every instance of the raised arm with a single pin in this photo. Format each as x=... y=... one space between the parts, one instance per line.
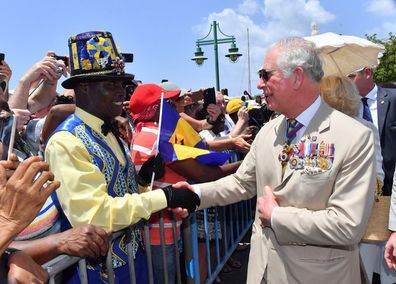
x=49 y=70
x=22 y=196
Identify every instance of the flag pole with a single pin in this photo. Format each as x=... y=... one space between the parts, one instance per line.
x=12 y=138
x=158 y=136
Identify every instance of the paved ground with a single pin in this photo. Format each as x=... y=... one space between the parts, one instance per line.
x=238 y=276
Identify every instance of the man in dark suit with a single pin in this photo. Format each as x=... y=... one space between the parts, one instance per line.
x=379 y=107
x=382 y=107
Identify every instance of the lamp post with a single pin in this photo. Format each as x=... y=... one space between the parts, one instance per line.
x=233 y=54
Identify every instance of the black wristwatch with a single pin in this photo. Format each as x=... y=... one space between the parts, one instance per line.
x=7 y=254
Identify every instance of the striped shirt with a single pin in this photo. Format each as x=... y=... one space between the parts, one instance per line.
x=143 y=147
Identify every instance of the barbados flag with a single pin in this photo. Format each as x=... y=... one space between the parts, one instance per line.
x=179 y=141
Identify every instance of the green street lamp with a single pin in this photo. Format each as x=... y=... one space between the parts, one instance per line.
x=233 y=53
x=199 y=58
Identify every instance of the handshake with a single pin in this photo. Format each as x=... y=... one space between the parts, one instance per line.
x=176 y=197
x=181 y=197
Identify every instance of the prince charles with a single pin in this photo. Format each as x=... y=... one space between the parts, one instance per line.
x=313 y=172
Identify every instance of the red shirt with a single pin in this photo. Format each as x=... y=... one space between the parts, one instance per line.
x=142 y=149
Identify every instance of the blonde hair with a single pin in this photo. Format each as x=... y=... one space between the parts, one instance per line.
x=340 y=93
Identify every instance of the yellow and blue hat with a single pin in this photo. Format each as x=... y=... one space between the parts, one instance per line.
x=233 y=105
x=94 y=57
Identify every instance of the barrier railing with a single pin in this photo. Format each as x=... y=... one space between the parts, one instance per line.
x=222 y=233
x=235 y=221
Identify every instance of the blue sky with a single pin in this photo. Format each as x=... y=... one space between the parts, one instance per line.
x=162 y=34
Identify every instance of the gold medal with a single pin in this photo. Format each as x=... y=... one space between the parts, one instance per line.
x=293 y=162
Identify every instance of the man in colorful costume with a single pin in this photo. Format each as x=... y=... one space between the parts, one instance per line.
x=98 y=179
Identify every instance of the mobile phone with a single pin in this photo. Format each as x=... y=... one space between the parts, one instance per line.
x=3 y=82
x=65 y=59
x=209 y=97
x=128 y=57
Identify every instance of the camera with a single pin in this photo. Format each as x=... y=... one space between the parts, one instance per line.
x=2 y=55
x=65 y=59
x=127 y=57
x=259 y=116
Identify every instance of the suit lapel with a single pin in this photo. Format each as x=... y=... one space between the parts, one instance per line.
x=279 y=139
x=382 y=108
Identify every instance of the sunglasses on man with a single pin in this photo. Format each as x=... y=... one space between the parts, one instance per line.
x=265 y=75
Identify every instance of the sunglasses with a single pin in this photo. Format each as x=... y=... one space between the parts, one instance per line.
x=265 y=75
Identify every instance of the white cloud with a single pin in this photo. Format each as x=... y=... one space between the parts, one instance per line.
x=383 y=8
x=296 y=15
x=248 y=7
x=277 y=19
x=386 y=11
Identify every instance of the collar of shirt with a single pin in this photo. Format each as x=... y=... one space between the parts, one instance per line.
x=306 y=116
x=94 y=122
x=372 y=95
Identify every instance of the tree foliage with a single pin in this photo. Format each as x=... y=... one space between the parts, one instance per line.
x=386 y=70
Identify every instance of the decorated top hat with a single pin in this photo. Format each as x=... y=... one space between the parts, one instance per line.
x=94 y=57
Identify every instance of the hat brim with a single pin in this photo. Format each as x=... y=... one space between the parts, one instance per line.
x=168 y=95
x=184 y=92
x=71 y=82
x=172 y=94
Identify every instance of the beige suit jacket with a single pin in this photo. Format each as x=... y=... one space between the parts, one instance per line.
x=321 y=218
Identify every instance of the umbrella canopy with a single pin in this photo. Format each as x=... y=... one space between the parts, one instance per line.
x=344 y=54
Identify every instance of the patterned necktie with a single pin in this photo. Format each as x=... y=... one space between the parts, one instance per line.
x=293 y=126
x=366 y=110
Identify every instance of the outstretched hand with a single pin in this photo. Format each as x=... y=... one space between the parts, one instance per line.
x=48 y=68
x=25 y=192
x=182 y=212
x=183 y=197
x=240 y=143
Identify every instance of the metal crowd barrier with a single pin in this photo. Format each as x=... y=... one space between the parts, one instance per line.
x=234 y=220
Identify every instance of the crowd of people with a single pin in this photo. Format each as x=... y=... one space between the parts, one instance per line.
x=83 y=164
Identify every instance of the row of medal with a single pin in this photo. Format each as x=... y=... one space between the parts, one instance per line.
x=317 y=157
